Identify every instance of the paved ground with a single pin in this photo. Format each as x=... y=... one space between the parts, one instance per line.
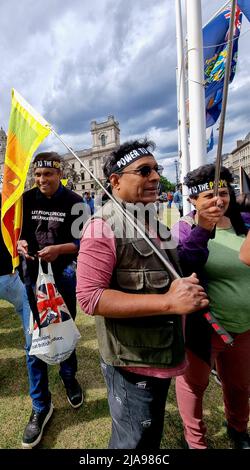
x=169 y=216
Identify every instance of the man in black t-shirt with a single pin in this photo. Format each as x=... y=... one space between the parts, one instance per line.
x=48 y=220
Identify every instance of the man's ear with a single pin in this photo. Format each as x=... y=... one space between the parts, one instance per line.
x=192 y=200
x=115 y=180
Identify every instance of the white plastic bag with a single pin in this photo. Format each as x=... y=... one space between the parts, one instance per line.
x=57 y=336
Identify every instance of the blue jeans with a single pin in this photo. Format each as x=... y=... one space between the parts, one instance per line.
x=13 y=290
x=137 y=408
x=37 y=369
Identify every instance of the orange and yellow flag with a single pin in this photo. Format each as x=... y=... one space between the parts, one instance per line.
x=27 y=129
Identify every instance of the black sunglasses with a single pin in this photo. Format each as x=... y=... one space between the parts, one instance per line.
x=144 y=171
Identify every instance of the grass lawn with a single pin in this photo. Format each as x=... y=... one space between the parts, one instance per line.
x=89 y=426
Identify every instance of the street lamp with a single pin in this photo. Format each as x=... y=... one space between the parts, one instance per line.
x=176 y=172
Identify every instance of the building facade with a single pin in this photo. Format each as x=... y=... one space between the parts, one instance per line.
x=239 y=157
x=105 y=138
x=3 y=142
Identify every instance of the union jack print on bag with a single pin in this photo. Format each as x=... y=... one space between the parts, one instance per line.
x=56 y=338
x=51 y=306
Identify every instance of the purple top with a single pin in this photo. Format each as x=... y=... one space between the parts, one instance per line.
x=193 y=242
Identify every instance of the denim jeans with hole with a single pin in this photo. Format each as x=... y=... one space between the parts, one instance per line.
x=137 y=408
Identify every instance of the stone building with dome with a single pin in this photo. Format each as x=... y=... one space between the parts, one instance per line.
x=105 y=138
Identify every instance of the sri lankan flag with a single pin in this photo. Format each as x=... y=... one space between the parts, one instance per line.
x=27 y=129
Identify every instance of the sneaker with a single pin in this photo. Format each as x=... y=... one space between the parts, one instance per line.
x=74 y=393
x=217 y=380
x=34 y=429
x=216 y=377
x=241 y=439
x=186 y=445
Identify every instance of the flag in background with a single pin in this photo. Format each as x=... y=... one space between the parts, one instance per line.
x=27 y=129
x=244 y=5
x=244 y=181
x=215 y=35
x=210 y=140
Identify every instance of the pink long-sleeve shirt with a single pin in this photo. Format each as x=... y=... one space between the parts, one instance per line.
x=95 y=265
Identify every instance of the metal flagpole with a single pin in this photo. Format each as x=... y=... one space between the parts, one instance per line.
x=181 y=106
x=197 y=118
x=241 y=180
x=224 y=97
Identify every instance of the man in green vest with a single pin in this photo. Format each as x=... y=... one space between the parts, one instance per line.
x=137 y=306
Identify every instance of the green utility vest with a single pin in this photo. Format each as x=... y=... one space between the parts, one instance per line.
x=155 y=341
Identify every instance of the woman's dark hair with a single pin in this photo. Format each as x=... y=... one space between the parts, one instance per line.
x=123 y=150
x=233 y=212
x=243 y=202
x=207 y=173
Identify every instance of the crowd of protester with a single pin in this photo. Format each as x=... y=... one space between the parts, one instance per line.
x=147 y=289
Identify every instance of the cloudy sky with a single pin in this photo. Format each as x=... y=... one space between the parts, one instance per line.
x=80 y=60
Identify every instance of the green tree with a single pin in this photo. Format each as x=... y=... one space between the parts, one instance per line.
x=166 y=185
